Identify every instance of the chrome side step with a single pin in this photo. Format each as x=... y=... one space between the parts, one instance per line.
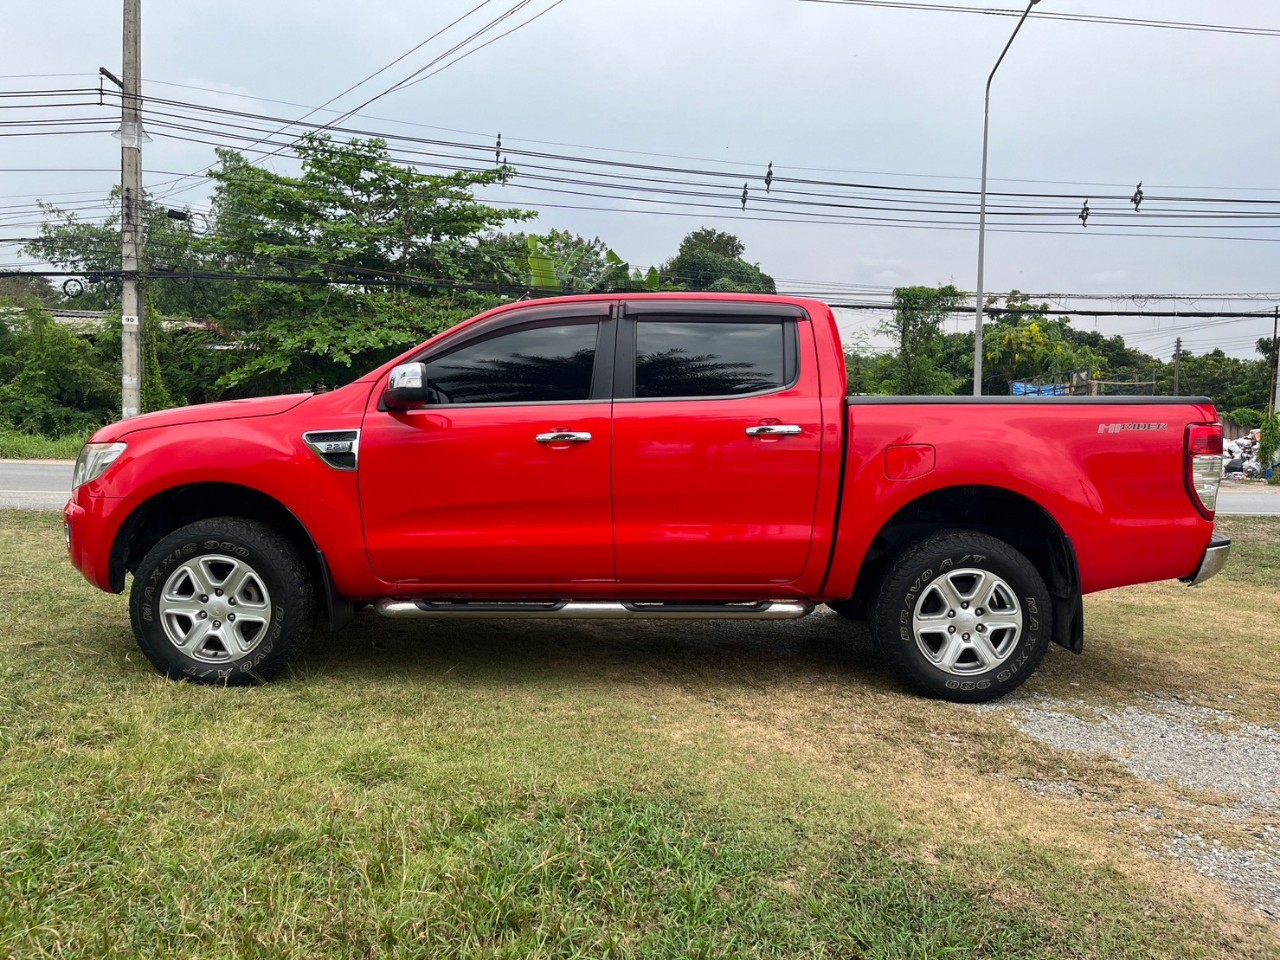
x=596 y=609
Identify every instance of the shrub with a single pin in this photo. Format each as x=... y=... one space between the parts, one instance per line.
x=1244 y=417
x=51 y=381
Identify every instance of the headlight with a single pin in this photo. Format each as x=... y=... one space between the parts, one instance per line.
x=93 y=462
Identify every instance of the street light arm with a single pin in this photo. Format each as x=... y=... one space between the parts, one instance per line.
x=1021 y=21
x=982 y=210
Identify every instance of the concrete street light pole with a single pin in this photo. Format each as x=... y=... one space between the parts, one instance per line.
x=982 y=209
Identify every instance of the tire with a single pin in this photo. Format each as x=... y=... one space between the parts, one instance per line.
x=926 y=618
x=224 y=600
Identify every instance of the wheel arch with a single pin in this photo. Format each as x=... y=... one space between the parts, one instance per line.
x=998 y=512
x=170 y=509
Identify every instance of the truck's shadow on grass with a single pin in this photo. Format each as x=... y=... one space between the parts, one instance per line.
x=726 y=653
x=734 y=652
x=746 y=654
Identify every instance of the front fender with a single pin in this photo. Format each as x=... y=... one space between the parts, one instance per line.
x=266 y=458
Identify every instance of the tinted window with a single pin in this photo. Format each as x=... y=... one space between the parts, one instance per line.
x=524 y=366
x=692 y=359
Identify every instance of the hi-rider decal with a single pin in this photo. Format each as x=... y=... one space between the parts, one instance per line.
x=1127 y=427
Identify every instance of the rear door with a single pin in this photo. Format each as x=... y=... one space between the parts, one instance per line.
x=504 y=477
x=717 y=442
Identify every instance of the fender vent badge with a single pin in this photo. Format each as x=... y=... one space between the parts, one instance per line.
x=340 y=449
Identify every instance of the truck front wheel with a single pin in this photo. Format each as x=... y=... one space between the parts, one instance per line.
x=223 y=600
x=962 y=616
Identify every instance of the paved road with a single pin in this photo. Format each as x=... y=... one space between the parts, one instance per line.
x=1253 y=499
x=45 y=485
x=35 y=484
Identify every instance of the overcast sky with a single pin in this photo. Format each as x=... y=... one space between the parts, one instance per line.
x=826 y=91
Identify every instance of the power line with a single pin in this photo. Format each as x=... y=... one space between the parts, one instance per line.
x=355 y=278
x=1147 y=221
x=388 y=66
x=1121 y=199
x=753 y=165
x=830 y=289
x=456 y=60
x=519 y=5
x=256 y=135
x=33 y=76
x=1001 y=311
x=725 y=212
x=366 y=79
x=1051 y=15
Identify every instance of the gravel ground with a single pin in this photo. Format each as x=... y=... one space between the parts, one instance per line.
x=1253 y=875
x=1194 y=747
x=1168 y=740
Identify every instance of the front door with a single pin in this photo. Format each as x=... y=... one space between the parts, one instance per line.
x=717 y=443
x=504 y=477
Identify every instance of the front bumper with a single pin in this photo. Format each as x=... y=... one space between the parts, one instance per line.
x=91 y=525
x=1215 y=558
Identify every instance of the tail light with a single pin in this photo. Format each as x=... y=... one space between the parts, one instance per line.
x=1202 y=466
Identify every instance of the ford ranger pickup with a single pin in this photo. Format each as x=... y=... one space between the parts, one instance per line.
x=649 y=456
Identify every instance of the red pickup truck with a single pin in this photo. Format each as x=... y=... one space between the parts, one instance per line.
x=670 y=455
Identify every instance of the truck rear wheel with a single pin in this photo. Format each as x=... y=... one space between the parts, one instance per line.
x=223 y=600
x=962 y=616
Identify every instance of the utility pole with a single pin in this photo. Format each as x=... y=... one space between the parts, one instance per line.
x=131 y=213
x=1177 y=367
x=1273 y=401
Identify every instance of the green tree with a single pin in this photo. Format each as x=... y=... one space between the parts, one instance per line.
x=916 y=329
x=377 y=256
x=869 y=372
x=1269 y=442
x=1230 y=382
x=565 y=262
x=1119 y=360
x=26 y=287
x=52 y=382
x=711 y=260
x=172 y=252
x=1243 y=417
x=621 y=276
x=717 y=241
x=1024 y=343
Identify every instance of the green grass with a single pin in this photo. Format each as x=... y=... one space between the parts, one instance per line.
x=26 y=446
x=539 y=790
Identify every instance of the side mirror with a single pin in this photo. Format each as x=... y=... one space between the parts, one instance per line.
x=407 y=387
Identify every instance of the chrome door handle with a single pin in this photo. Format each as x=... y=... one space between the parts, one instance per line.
x=563 y=436
x=774 y=430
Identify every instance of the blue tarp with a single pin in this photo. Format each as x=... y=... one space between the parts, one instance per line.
x=1020 y=389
